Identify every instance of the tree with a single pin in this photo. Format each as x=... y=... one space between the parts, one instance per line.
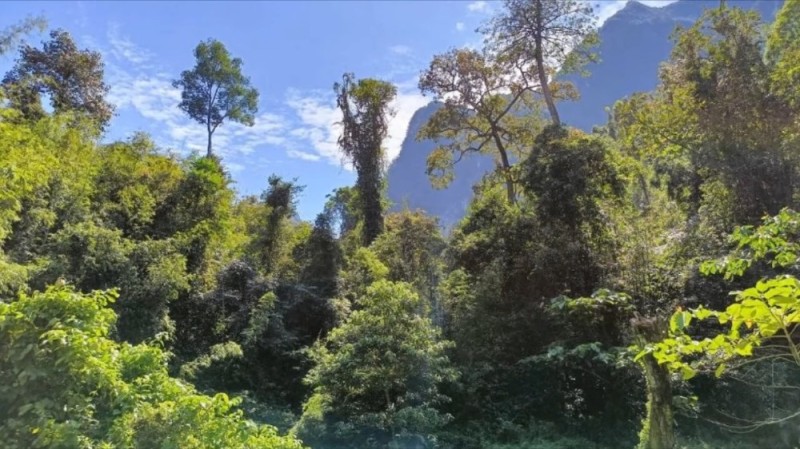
x=411 y=247
x=271 y=241
x=365 y=123
x=546 y=36
x=72 y=78
x=569 y=173
x=718 y=82
x=783 y=51
x=215 y=89
x=381 y=369
x=488 y=108
x=322 y=258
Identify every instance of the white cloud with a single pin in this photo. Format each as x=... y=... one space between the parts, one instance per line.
x=606 y=9
x=400 y=49
x=408 y=101
x=459 y=26
x=318 y=123
x=234 y=167
x=122 y=48
x=478 y=6
x=297 y=154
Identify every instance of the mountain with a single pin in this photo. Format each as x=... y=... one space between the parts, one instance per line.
x=634 y=42
x=409 y=184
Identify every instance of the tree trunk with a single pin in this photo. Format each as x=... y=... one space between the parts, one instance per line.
x=542 y=72
x=208 y=152
x=512 y=196
x=368 y=184
x=657 y=428
x=548 y=96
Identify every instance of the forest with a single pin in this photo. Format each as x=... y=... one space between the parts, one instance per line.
x=632 y=287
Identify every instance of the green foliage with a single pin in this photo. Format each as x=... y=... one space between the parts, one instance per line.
x=71 y=78
x=411 y=248
x=758 y=325
x=569 y=174
x=71 y=386
x=380 y=370
x=783 y=51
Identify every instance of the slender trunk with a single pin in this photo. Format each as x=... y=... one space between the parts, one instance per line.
x=645 y=192
x=542 y=72
x=657 y=428
x=208 y=152
x=548 y=95
x=512 y=196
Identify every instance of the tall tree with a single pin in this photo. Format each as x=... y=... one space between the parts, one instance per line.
x=546 y=36
x=783 y=51
x=215 y=89
x=271 y=241
x=487 y=108
x=72 y=78
x=365 y=123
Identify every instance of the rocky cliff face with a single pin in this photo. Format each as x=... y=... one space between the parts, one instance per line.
x=634 y=42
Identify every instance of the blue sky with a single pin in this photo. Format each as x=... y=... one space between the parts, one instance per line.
x=293 y=52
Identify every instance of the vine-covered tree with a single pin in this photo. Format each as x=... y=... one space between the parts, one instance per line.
x=215 y=90
x=366 y=110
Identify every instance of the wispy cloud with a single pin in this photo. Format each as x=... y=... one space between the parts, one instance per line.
x=459 y=26
x=400 y=49
x=235 y=167
x=478 y=6
x=318 y=122
x=606 y=9
x=297 y=154
x=122 y=48
x=408 y=101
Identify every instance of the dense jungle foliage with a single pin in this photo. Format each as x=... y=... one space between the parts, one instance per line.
x=584 y=301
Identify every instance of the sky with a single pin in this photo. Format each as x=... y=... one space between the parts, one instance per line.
x=293 y=52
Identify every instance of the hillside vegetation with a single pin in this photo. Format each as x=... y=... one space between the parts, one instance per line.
x=629 y=287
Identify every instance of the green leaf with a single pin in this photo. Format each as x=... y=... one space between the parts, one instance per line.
x=679 y=321
x=720 y=369
x=701 y=313
x=24 y=409
x=744 y=348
